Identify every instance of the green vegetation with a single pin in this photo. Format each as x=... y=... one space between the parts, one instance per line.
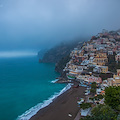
x=110 y=110
x=101 y=112
x=85 y=105
x=91 y=98
x=93 y=91
x=112 y=97
x=93 y=88
x=98 y=97
x=112 y=64
x=93 y=85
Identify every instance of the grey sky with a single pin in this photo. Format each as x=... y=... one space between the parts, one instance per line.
x=32 y=24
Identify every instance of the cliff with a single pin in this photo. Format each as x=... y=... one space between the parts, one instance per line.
x=60 y=65
x=60 y=54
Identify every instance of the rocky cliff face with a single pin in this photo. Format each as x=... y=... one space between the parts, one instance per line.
x=58 y=52
x=60 y=55
x=60 y=65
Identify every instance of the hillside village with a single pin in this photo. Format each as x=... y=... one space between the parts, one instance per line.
x=96 y=66
x=92 y=62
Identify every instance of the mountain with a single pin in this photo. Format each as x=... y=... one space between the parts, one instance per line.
x=60 y=54
x=41 y=53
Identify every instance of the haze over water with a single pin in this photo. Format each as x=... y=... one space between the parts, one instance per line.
x=36 y=24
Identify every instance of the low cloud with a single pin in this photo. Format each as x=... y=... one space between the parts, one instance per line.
x=37 y=23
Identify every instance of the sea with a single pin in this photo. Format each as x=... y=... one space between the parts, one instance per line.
x=26 y=86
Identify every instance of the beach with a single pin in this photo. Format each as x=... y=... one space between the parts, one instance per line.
x=62 y=106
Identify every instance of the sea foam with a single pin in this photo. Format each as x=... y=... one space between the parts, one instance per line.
x=32 y=111
x=54 y=81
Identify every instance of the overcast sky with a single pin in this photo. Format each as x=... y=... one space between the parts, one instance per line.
x=34 y=24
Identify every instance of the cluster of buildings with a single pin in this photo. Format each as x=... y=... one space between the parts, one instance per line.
x=89 y=62
x=115 y=81
x=91 y=59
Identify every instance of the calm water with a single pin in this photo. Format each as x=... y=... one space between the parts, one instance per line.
x=23 y=84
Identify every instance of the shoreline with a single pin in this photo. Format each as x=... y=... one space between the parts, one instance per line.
x=33 y=110
x=64 y=104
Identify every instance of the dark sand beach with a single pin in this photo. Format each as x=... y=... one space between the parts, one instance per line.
x=62 y=106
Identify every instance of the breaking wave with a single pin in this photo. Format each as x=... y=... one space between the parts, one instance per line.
x=32 y=111
x=54 y=81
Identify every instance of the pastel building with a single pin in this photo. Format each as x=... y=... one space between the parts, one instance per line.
x=101 y=59
x=104 y=69
x=116 y=78
x=101 y=69
x=94 y=79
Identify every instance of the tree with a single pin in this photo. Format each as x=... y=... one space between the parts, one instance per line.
x=98 y=97
x=85 y=105
x=112 y=64
x=118 y=108
x=102 y=112
x=93 y=88
x=93 y=85
x=112 y=96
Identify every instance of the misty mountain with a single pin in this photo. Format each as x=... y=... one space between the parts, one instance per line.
x=58 y=52
x=41 y=53
x=38 y=24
